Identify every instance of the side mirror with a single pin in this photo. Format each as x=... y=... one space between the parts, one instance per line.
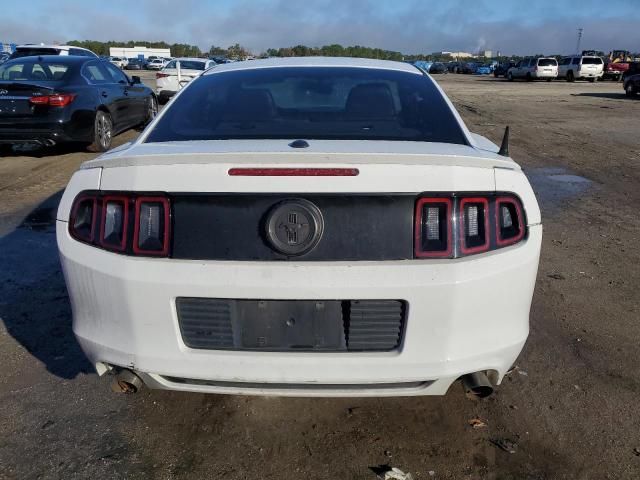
x=136 y=80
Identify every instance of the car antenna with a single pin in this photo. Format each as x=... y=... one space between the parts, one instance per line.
x=504 y=147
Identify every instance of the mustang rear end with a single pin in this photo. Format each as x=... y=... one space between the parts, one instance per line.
x=317 y=227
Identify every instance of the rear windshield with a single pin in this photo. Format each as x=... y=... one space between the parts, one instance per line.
x=310 y=103
x=591 y=60
x=186 y=64
x=547 y=62
x=33 y=71
x=35 y=51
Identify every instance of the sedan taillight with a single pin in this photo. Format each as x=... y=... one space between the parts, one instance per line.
x=456 y=226
x=57 y=100
x=123 y=223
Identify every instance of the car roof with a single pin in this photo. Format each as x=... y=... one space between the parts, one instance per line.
x=316 y=62
x=59 y=47
x=71 y=59
x=192 y=59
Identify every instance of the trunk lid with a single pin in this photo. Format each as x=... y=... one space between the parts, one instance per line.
x=394 y=167
x=15 y=96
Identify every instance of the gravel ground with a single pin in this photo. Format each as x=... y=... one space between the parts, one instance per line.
x=567 y=411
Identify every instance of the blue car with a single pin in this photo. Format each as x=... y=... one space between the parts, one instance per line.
x=423 y=65
x=483 y=69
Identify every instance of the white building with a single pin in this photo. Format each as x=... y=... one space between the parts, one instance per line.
x=458 y=54
x=137 y=52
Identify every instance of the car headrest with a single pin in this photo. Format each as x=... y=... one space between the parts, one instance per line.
x=58 y=75
x=13 y=75
x=249 y=104
x=38 y=75
x=370 y=100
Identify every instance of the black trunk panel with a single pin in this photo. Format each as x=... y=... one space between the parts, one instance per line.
x=232 y=227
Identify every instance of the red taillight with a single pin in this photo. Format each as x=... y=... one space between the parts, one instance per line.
x=123 y=223
x=151 y=234
x=433 y=236
x=294 y=172
x=57 y=100
x=161 y=75
x=482 y=223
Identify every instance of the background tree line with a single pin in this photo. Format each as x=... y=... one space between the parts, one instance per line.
x=102 y=48
x=238 y=52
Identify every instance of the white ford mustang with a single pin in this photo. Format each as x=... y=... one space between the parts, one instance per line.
x=306 y=226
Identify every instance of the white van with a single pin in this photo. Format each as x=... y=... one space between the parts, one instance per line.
x=579 y=67
x=534 y=69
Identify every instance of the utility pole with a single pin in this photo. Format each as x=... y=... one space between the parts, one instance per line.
x=579 y=40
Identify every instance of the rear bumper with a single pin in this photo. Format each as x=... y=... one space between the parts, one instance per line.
x=45 y=133
x=544 y=75
x=464 y=315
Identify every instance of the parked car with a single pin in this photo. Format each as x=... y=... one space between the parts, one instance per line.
x=352 y=261
x=483 y=69
x=502 y=68
x=438 y=67
x=423 y=65
x=135 y=64
x=534 y=69
x=48 y=100
x=454 y=67
x=120 y=62
x=42 y=49
x=616 y=64
x=468 y=68
x=580 y=67
x=155 y=64
x=631 y=85
x=169 y=80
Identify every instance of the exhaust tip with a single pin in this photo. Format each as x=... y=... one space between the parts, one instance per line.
x=127 y=382
x=477 y=384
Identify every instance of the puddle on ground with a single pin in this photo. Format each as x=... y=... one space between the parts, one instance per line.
x=554 y=185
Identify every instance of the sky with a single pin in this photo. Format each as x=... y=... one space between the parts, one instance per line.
x=411 y=26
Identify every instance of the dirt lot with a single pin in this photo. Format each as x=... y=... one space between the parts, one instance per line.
x=569 y=408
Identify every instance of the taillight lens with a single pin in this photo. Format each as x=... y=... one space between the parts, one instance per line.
x=57 y=100
x=151 y=236
x=114 y=225
x=474 y=225
x=124 y=223
x=161 y=75
x=482 y=223
x=509 y=223
x=83 y=218
x=433 y=228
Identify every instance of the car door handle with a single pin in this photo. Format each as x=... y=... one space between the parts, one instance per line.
x=126 y=91
x=104 y=94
